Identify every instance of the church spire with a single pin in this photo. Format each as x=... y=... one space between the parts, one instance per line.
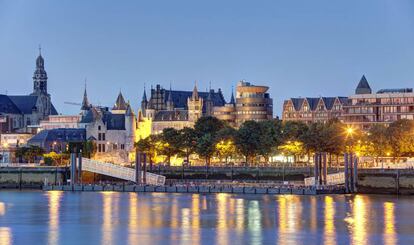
x=232 y=97
x=195 y=92
x=170 y=103
x=85 y=101
x=144 y=96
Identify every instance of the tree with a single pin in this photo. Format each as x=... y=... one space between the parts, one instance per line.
x=89 y=149
x=206 y=147
x=208 y=125
x=248 y=139
x=148 y=146
x=378 y=141
x=187 y=142
x=170 y=143
x=400 y=138
x=29 y=153
x=270 y=136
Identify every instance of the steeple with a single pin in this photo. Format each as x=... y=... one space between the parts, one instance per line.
x=40 y=76
x=363 y=87
x=144 y=103
x=120 y=103
x=170 y=103
x=144 y=96
x=209 y=102
x=232 y=98
x=195 y=93
x=85 y=101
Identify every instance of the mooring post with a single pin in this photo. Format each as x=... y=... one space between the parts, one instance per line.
x=316 y=168
x=346 y=172
x=355 y=175
x=320 y=170
x=325 y=169
x=351 y=172
x=80 y=167
x=72 y=168
x=138 y=167
x=144 y=173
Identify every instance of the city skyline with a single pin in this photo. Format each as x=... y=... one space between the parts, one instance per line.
x=316 y=49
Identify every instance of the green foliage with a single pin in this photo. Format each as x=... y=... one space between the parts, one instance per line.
x=29 y=153
x=400 y=137
x=170 y=139
x=187 y=142
x=248 y=139
x=206 y=147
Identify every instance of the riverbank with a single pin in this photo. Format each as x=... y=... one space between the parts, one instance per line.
x=199 y=189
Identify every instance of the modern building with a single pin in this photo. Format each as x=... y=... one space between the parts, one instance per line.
x=310 y=110
x=23 y=113
x=252 y=103
x=366 y=108
x=177 y=109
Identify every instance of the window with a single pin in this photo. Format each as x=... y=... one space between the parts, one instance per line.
x=99 y=136
x=99 y=148
x=122 y=146
x=99 y=127
x=103 y=147
x=103 y=136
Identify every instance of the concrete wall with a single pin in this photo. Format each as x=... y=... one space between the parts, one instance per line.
x=386 y=181
x=14 y=177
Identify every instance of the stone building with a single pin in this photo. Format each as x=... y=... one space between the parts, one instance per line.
x=23 y=113
x=177 y=109
x=113 y=131
x=310 y=110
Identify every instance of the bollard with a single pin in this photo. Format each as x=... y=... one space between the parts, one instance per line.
x=138 y=167
x=355 y=174
x=80 y=167
x=346 y=172
x=316 y=168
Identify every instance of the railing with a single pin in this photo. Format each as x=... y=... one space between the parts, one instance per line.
x=119 y=172
x=331 y=179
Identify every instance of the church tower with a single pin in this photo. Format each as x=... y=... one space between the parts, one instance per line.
x=195 y=106
x=144 y=103
x=40 y=76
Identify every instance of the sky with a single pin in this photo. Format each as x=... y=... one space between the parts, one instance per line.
x=297 y=48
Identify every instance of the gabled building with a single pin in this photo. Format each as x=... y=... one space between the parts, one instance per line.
x=23 y=113
x=113 y=131
x=310 y=110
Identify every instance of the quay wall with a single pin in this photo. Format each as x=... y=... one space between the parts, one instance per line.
x=386 y=182
x=31 y=177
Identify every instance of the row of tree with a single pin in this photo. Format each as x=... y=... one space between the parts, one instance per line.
x=212 y=137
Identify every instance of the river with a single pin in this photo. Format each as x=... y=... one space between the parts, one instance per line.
x=33 y=217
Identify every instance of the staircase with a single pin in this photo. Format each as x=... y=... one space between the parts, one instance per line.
x=119 y=172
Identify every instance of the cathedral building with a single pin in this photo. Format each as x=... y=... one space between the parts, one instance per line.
x=176 y=109
x=23 y=113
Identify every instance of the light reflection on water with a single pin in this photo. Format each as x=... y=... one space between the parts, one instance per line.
x=160 y=218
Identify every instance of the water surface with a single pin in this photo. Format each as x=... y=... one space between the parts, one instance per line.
x=162 y=218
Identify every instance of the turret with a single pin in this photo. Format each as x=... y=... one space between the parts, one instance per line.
x=130 y=127
x=170 y=103
x=363 y=87
x=144 y=103
x=85 y=102
x=120 y=105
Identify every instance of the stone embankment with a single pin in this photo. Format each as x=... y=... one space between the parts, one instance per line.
x=199 y=189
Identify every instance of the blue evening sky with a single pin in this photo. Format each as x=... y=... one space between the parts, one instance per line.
x=298 y=48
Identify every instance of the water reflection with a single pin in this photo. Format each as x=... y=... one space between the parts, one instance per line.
x=255 y=222
x=390 y=237
x=107 y=217
x=195 y=220
x=329 y=216
x=359 y=222
x=2 y=208
x=290 y=217
x=54 y=211
x=5 y=236
x=132 y=218
x=222 y=228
